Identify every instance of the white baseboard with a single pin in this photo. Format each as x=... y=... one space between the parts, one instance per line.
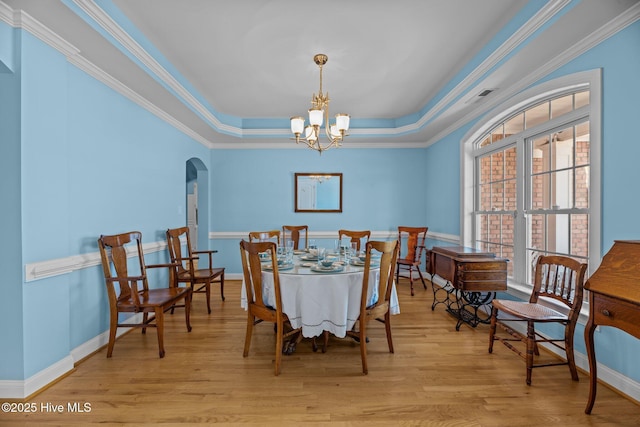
x=16 y=389
x=606 y=375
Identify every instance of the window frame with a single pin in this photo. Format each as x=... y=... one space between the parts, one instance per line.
x=586 y=80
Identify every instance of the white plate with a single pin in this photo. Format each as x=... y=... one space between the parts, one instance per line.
x=358 y=263
x=333 y=269
x=281 y=267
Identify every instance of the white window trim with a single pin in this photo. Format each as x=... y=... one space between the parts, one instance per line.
x=591 y=80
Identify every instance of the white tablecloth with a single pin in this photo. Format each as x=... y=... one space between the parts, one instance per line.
x=320 y=302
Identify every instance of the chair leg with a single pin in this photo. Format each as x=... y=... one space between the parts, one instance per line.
x=421 y=278
x=492 y=328
x=113 y=327
x=568 y=347
x=207 y=291
x=187 y=310
x=363 y=347
x=411 y=279
x=247 y=338
x=160 y=327
x=222 y=285
x=145 y=320
x=387 y=327
x=279 y=342
x=530 y=349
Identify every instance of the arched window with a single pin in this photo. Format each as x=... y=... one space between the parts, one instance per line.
x=531 y=176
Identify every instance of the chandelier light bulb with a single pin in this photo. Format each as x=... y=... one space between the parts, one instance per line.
x=297 y=125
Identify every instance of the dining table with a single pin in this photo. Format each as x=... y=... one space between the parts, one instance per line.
x=318 y=299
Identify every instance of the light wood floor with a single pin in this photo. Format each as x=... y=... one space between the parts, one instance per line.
x=437 y=376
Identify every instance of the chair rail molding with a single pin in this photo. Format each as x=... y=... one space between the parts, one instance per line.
x=55 y=267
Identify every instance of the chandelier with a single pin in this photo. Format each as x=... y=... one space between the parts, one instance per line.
x=319 y=113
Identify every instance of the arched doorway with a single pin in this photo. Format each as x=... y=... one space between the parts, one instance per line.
x=197 y=185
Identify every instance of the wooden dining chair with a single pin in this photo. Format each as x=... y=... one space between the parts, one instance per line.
x=558 y=279
x=134 y=295
x=272 y=235
x=412 y=239
x=297 y=234
x=257 y=310
x=188 y=271
x=379 y=309
x=355 y=236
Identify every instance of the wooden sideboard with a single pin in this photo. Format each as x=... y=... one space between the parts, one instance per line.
x=472 y=276
x=614 y=300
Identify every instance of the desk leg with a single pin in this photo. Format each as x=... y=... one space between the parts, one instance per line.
x=590 y=327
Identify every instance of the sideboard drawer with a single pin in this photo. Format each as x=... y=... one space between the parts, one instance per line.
x=608 y=311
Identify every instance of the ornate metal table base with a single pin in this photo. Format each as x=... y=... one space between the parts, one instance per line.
x=468 y=307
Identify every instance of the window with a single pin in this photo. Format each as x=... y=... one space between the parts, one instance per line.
x=528 y=174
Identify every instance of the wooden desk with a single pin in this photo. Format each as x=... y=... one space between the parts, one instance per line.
x=614 y=300
x=472 y=276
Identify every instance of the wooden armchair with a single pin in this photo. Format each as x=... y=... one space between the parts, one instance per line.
x=355 y=236
x=411 y=238
x=271 y=235
x=187 y=271
x=380 y=309
x=558 y=280
x=296 y=233
x=134 y=295
x=257 y=310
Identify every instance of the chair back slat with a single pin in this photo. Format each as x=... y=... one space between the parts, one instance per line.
x=561 y=279
x=355 y=236
x=114 y=255
x=412 y=239
x=270 y=235
x=388 y=258
x=252 y=270
x=297 y=234
x=175 y=248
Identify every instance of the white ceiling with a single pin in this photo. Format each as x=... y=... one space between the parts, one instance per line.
x=254 y=58
x=213 y=65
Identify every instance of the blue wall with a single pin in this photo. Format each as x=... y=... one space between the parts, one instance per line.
x=618 y=57
x=253 y=190
x=92 y=162
x=79 y=160
x=11 y=349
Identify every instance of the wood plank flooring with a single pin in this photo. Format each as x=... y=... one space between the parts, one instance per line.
x=437 y=376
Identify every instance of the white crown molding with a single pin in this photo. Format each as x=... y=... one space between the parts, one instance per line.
x=127 y=42
x=547 y=12
x=290 y=145
x=6 y=14
x=56 y=267
x=21 y=19
x=612 y=27
x=100 y=75
x=101 y=18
